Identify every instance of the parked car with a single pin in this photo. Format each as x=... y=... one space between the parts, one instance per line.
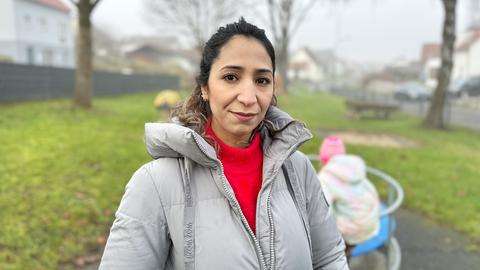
x=471 y=87
x=454 y=88
x=412 y=91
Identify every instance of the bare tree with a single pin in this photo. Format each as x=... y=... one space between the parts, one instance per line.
x=285 y=17
x=434 y=118
x=196 y=19
x=83 y=90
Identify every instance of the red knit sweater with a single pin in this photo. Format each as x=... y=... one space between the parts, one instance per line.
x=243 y=169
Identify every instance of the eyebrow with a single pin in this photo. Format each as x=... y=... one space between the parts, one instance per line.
x=258 y=70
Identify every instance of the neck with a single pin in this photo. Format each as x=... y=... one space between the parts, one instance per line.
x=228 y=139
x=236 y=155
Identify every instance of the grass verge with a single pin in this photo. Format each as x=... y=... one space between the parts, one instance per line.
x=62 y=174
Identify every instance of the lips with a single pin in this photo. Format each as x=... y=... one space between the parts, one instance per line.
x=243 y=116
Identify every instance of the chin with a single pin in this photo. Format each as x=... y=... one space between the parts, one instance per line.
x=243 y=131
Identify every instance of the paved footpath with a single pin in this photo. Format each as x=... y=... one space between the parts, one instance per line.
x=425 y=246
x=428 y=246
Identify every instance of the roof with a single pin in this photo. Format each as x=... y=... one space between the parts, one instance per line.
x=322 y=58
x=472 y=39
x=55 y=4
x=135 y=42
x=430 y=50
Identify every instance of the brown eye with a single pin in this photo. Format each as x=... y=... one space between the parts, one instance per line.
x=230 y=77
x=263 y=81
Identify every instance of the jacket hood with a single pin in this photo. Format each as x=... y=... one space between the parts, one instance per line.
x=347 y=168
x=279 y=140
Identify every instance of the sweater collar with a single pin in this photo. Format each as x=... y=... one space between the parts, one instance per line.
x=231 y=154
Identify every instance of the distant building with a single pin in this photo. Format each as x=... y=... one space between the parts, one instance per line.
x=305 y=66
x=466 y=58
x=322 y=69
x=36 y=32
x=162 y=53
x=430 y=63
x=404 y=70
x=380 y=83
x=467 y=54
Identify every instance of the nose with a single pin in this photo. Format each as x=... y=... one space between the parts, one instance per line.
x=248 y=94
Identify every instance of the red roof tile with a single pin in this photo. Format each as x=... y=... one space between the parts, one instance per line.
x=464 y=46
x=429 y=50
x=56 y=4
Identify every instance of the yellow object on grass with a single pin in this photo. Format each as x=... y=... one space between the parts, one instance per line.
x=166 y=99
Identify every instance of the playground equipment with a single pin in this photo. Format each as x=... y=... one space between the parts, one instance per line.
x=166 y=99
x=385 y=240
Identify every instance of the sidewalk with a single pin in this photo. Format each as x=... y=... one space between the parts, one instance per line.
x=425 y=246
x=428 y=246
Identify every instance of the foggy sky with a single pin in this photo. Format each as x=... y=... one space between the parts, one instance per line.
x=375 y=31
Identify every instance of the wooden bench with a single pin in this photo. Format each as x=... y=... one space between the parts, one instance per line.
x=379 y=110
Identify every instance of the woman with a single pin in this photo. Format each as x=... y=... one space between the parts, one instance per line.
x=226 y=189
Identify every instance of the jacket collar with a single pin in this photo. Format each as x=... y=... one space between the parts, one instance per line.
x=279 y=139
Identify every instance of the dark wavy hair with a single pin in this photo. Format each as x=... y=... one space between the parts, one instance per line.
x=194 y=112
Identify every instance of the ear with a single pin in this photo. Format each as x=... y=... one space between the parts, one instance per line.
x=204 y=93
x=204 y=90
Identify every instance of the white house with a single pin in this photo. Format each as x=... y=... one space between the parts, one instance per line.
x=430 y=61
x=161 y=51
x=467 y=55
x=322 y=69
x=36 y=32
x=305 y=66
x=466 y=58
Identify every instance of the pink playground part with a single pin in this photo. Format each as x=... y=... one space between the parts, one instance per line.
x=330 y=147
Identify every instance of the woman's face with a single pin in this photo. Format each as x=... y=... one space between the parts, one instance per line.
x=239 y=89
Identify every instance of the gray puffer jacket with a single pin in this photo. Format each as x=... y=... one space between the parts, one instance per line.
x=179 y=211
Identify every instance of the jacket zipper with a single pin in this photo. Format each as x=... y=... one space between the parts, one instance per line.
x=244 y=220
x=272 y=231
x=237 y=207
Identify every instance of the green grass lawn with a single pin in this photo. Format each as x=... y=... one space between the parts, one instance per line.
x=62 y=175
x=63 y=171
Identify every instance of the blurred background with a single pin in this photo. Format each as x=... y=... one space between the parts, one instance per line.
x=397 y=80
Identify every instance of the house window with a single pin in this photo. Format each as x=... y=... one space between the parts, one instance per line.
x=433 y=73
x=43 y=24
x=62 y=32
x=30 y=55
x=47 y=57
x=28 y=19
x=65 y=58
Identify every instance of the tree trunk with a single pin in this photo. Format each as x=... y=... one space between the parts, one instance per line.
x=83 y=90
x=434 y=118
x=282 y=65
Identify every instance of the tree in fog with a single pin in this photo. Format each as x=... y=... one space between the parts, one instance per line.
x=434 y=117
x=83 y=89
x=195 y=19
x=285 y=17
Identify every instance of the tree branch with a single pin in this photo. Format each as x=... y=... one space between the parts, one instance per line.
x=197 y=17
x=75 y=3
x=301 y=17
x=92 y=5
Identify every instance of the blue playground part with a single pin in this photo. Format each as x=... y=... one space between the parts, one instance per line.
x=378 y=240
